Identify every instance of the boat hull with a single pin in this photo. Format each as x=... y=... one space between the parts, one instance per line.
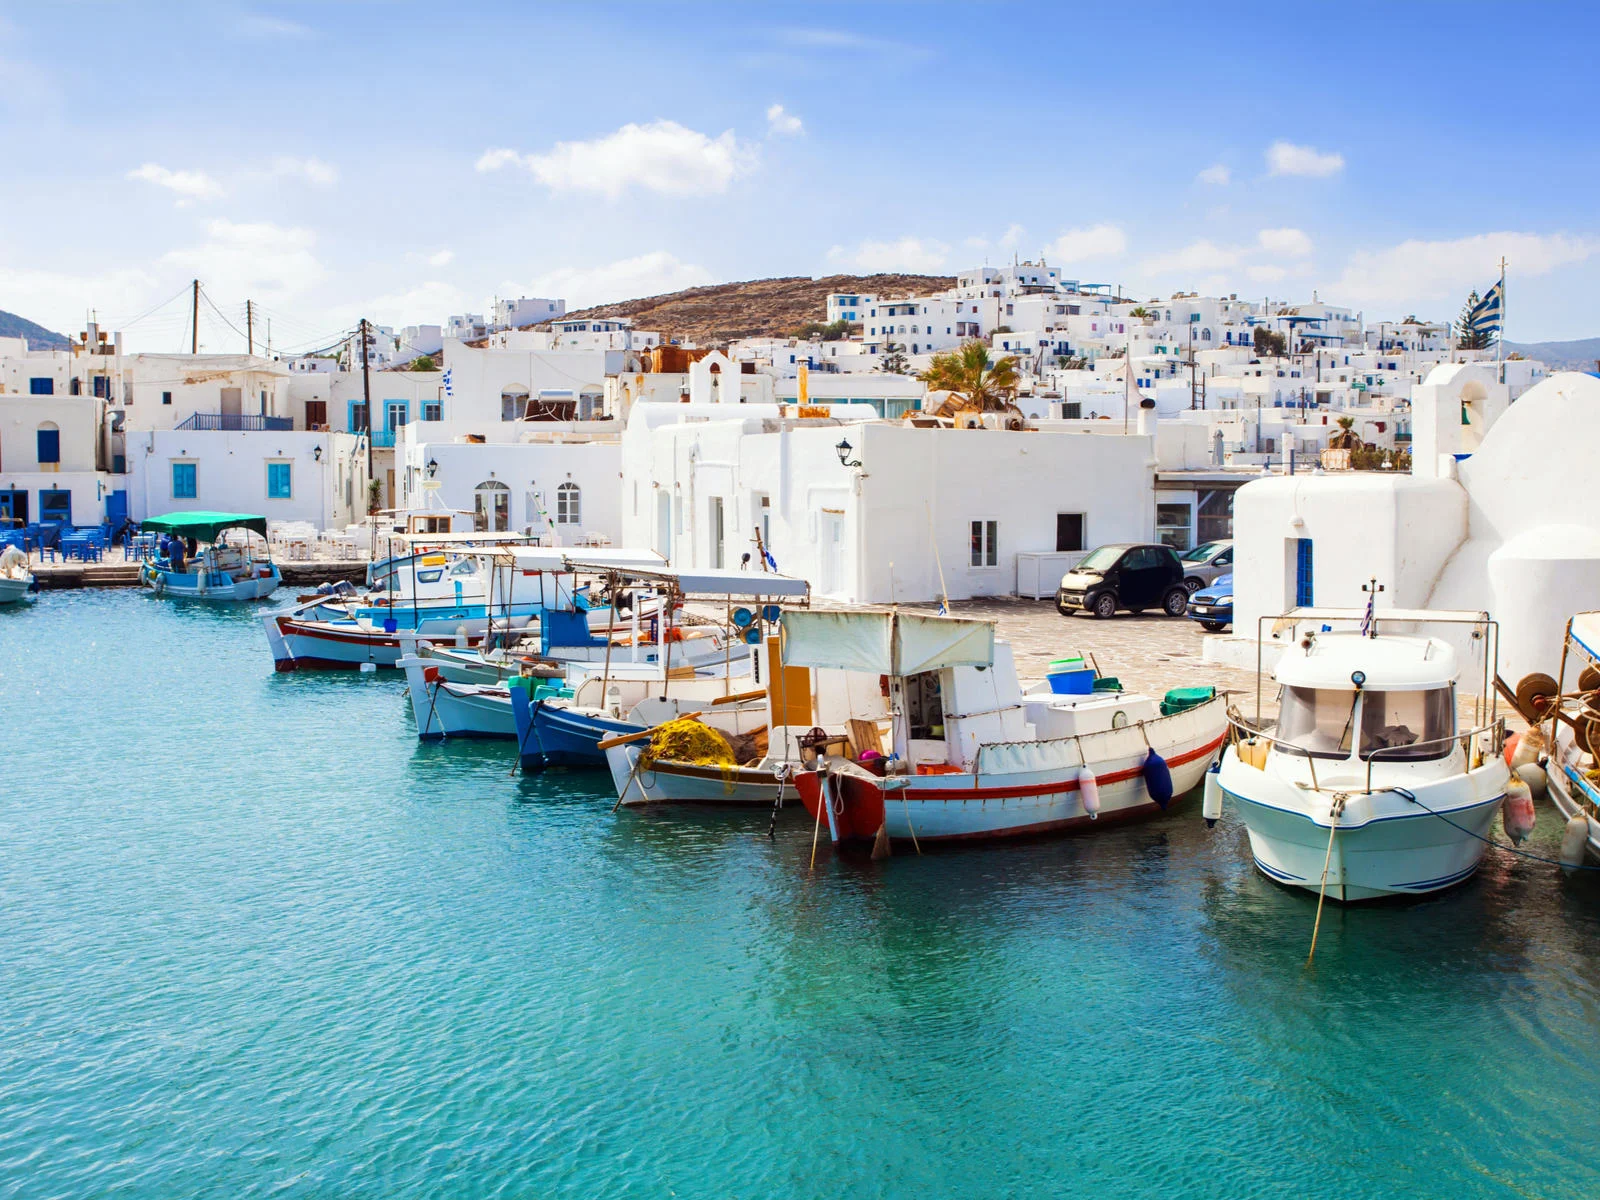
x=446 y=709
x=666 y=782
x=13 y=591
x=550 y=735
x=1568 y=792
x=210 y=585
x=1386 y=845
x=928 y=809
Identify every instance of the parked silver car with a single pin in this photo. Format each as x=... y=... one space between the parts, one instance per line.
x=1203 y=564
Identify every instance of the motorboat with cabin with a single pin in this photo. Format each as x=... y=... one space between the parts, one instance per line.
x=228 y=563
x=1366 y=785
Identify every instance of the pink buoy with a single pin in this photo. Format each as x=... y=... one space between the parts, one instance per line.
x=1516 y=811
x=1089 y=788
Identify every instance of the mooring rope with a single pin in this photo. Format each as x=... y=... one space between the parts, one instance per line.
x=1554 y=862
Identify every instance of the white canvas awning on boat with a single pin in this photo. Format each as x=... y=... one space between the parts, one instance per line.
x=557 y=558
x=1586 y=632
x=747 y=585
x=462 y=538
x=884 y=641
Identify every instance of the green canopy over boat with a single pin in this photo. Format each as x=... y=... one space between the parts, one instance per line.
x=203 y=526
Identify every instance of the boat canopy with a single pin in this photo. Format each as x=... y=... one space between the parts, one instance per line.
x=203 y=526
x=884 y=641
x=1586 y=632
x=1392 y=663
x=713 y=581
x=557 y=558
x=463 y=538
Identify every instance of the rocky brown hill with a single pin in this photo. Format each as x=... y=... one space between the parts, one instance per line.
x=755 y=307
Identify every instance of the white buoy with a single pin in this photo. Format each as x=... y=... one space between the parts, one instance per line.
x=1516 y=810
x=1211 y=805
x=1573 y=839
x=1530 y=747
x=1533 y=775
x=1089 y=788
x=369 y=665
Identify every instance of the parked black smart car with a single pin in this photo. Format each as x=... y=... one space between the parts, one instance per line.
x=1134 y=576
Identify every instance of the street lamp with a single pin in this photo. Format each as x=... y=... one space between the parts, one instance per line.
x=316 y=453
x=432 y=468
x=843 y=450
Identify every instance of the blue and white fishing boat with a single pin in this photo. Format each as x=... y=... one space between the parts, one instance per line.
x=223 y=567
x=16 y=576
x=1366 y=786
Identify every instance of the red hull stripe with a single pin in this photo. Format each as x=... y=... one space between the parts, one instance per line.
x=1046 y=789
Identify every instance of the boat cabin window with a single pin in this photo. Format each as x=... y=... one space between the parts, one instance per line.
x=1407 y=726
x=1316 y=721
x=924 y=706
x=432 y=575
x=465 y=567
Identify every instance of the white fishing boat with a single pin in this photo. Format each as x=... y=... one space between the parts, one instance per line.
x=973 y=756
x=16 y=575
x=1569 y=729
x=228 y=564
x=1366 y=786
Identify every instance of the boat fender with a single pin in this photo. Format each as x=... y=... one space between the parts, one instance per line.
x=1573 y=839
x=1211 y=806
x=1533 y=775
x=1157 y=779
x=461 y=637
x=1511 y=747
x=1530 y=748
x=1516 y=810
x=1089 y=789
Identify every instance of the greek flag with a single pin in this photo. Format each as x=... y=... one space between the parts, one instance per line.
x=448 y=391
x=771 y=562
x=1487 y=313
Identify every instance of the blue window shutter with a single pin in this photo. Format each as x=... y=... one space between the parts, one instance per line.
x=1304 y=589
x=184 y=481
x=49 y=445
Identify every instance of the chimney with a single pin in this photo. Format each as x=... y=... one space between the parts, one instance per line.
x=1147 y=418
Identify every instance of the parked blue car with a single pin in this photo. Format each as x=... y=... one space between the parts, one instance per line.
x=1213 y=606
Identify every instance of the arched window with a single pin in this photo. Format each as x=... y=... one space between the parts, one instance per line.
x=569 y=505
x=49 y=443
x=513 y=402
x=491 y=507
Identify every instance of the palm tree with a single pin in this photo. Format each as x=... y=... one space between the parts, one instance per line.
x=972 y=379
x=1347 y=438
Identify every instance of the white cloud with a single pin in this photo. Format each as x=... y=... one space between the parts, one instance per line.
x=1097 y=241
x=189 y=186
x=903 y=254
x=312 y=170
x=60 y=300
x=1204 y=255
x=1285 y=158
x=441 y=258
x=783 y=123
x=627 y=279
x=256 y=259
x=1417 y=270
x=1266 y=273
x=663 y=157
x=1216 y=174
x=494 y=159
x=1286 y=243
x=259 y=26
x=426 y=302
x=1012 y=237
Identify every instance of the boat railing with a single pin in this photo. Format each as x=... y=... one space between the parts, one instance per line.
x=1496 y=730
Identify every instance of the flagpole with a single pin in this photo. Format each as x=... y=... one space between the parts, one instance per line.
x=1500 y=335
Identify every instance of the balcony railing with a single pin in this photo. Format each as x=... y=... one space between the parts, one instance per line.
x=238 y=423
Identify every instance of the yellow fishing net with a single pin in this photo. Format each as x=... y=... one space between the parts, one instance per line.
x=686 y=740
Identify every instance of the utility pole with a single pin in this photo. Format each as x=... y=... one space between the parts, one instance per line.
x=1191 y=366
x=366 y=394
x=249 y=328
x=194 y=321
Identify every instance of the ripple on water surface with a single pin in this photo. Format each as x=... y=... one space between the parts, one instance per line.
x=258 y=940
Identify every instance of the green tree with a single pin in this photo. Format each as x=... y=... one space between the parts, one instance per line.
x=894 y=360
x=1140 y=312
x=975 y=381
x=1269 y=343
x=1468 y=338
x=423 y=362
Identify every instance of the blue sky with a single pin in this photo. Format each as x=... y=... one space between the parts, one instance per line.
x=399 y=160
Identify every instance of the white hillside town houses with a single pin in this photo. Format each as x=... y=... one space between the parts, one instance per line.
x=1135 y=419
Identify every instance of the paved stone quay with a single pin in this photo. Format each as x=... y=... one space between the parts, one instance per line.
x=1147 y=653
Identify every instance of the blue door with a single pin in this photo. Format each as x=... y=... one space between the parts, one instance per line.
x=14 y=504
x=117 y=508
x=55 y=505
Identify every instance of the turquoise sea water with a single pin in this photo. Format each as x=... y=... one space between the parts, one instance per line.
x=256 y=940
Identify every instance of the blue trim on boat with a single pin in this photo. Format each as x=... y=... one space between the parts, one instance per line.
x=1289 y=812
x=1277 y=874
x=1436 y=884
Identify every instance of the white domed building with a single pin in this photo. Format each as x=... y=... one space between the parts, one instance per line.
x=1496 y=515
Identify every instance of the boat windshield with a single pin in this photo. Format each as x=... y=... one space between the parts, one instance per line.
x=1408 y=726
x=1101 y=560
x=1316 y=721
